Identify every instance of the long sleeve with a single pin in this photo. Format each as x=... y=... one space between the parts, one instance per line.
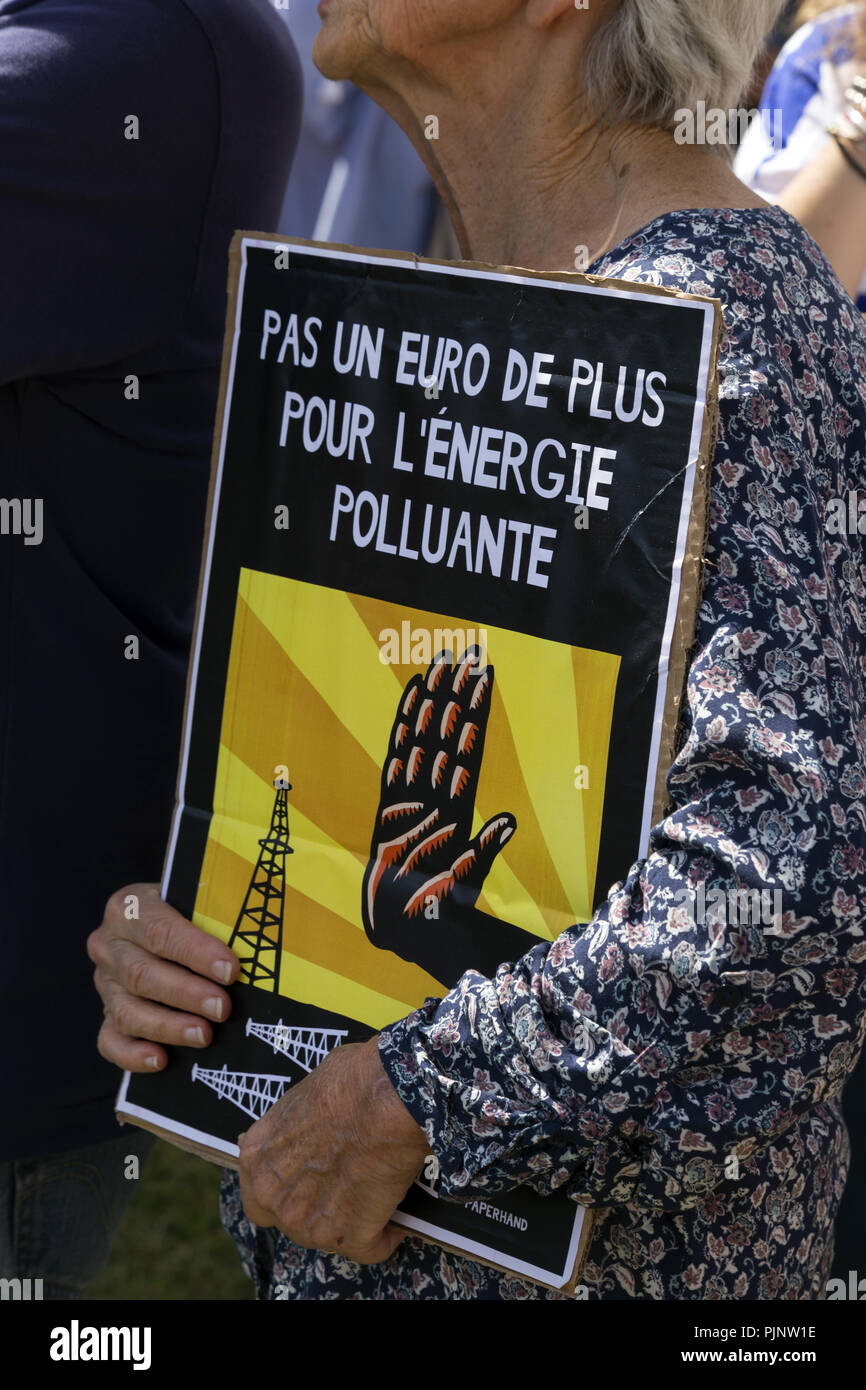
x=647 y=1055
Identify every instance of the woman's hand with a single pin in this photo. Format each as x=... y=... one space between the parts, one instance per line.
x=330 y=1163
x=159 y=977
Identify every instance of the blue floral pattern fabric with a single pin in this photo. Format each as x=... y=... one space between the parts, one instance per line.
x=675 y=1064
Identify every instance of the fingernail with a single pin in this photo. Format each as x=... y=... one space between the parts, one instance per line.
x=213 y=1008
x=222 y=969
x=194 y=1035
x=152 y=1062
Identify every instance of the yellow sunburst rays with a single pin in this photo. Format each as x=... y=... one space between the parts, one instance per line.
x=551 y=715
x=304 y=677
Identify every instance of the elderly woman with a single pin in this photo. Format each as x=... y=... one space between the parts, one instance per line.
x=681 y=1077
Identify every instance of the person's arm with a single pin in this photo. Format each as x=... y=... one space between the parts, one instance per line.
x=636 y=1057
x=829 y=198
x=657 y=1052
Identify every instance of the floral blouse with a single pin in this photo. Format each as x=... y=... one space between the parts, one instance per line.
x=680 y=1071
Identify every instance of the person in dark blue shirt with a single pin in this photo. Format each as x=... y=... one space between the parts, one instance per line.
x=134 y=140
x=356 y=178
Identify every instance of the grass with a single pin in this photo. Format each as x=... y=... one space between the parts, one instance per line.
x=170 y=1243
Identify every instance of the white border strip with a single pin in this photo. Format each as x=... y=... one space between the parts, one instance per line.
x=209 y=1141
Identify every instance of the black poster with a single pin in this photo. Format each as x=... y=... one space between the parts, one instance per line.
x=450 y=579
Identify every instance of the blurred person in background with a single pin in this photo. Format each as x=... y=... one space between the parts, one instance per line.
x=134 y=140
x=773 y=44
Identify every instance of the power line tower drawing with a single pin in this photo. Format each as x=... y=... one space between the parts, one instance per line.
x=257 y=938
x=252 y=1092
x=305 y=1046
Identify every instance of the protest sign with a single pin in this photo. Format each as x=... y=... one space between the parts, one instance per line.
x=451 y=573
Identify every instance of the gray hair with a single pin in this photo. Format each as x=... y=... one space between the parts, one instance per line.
x=653 y=58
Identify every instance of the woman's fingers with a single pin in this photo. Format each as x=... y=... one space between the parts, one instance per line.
x=162 y=931
x=132 y=1054
x=148 y=977
x=157 y=975
x=144 y=1018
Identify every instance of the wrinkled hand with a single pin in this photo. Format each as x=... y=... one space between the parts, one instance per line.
x=425 y=864
x=156 y=976
x=331 y=1161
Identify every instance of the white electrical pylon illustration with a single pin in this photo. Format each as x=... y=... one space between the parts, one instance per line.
x=252 y=1092
x=305 y=1046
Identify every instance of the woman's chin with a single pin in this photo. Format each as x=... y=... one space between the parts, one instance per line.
x=330 y=54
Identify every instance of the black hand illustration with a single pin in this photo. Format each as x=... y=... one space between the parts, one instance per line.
x=426 y=869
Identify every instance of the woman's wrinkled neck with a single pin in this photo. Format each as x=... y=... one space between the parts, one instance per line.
x=531 y=180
